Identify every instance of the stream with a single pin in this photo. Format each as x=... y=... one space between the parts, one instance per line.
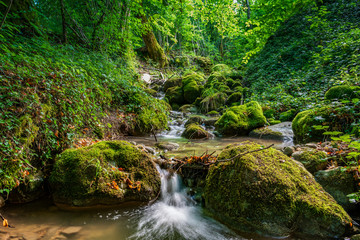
x=173 y=216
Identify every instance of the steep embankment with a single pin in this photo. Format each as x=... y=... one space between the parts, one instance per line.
x=311 y=51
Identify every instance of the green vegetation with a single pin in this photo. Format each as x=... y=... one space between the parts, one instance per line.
x=194 y=131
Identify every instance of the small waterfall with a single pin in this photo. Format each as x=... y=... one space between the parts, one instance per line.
x=175 y=216
x=287 y=132
x=176 y=125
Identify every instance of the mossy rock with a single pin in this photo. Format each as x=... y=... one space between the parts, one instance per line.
x=234 y=98
x=288 y=115
x=269 y=193
x=204 y=62
x=191 y=88
x=194 y=131
x=339 y=184
x=182 y=61
x=266 y=133
x=100 y=175
x=151 y=92
x=343 y=92
x=175 y=95
x=213 y=113
x=269 y=113
x=187 y=108
x=221 y=68
x=313 y=160
x=272 y=121
x=172 y=82
x=213 y=102
x=240 y=120
x=195 y=119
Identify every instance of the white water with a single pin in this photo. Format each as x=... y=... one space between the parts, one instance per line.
x=286 y=131
x=175 y=216
x=176 y=125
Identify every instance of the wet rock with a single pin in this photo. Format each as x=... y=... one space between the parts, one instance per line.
x=150 y=150
x=195 y=119
x=104 y=174
x=30 y=190
x=313 y=160
x=339 y=184
x=288 y=151
x=257 y=192
x=71 y=231
x=168 y=146
x=311 y=145
x=210 y=122
x=266 y=133
x=194 y=131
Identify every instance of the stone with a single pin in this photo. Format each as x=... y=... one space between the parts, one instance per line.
x=70 y=231
x=168 y=146
x=257 y=192
x=313 y=160
x=150 y=150
x=194 y=131
x=106 y=173
x=266 y=133
x=311 y=145
x=2 y=202
x=288 y=151
x=338 y=184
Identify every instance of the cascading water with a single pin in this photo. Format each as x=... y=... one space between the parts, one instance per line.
x=176 y=125
x=176 y=216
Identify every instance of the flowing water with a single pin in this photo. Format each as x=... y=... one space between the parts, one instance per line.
x=173 y=216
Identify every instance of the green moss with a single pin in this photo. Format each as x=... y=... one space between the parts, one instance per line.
x=182 y=61
x=221 y=68
x=194 y=131
x=213 y=102
x=272 y=121
x=212 y=113
x=84 y=176
x=313 y=160
x=233 y=98
x=266 y=133
x=172 y=82
x=204 y=62
x=26 y=131
x=151 y=92
x=288 y=115
x=195 y=119
x=269 y=193
x=343 y=92
x=191 y=88
x=175 y=95
x=241 y=119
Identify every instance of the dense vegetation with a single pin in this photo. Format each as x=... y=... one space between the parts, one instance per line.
x=69 y=71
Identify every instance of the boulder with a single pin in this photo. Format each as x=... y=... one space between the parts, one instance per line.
x=313 y=160
x=172 y=82
x=266 y=133
x=234 y=98
x=29 y=190
x=269 y=193
x=194 y=131
x=343 y=92
x=339 y=184
x=288 y=115
x=106 y=173
x=288 y=151
x=175 y=96
x=190 y=87
x=195 y=119
x=168 y=146
x=240 y=120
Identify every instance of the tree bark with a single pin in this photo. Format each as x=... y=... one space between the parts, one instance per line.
x=155 y=51
x=63 y=19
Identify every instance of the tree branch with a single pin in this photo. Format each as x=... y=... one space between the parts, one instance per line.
x=7 y=12
x=242 y=154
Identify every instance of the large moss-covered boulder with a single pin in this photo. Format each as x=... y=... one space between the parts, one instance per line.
x=172 y=82
x=190 y=87
x=175 y=95
x=106 y=173
x=195 y=119
x=266 y=133
x=194 y=131
x=288 y=115
x=240 y=120
x=269 y=193
x=234 y=98
x=343 y=92
x=213 y=102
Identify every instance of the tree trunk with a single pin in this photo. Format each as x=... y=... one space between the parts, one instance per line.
x=155 y=51
x=248 y=9
x=64 y=30
x=7 y=12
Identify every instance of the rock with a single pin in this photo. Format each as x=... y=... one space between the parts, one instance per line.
x=190 y=87
x=71 y=231
x=195 y=119
x=102 y=174
x=169 y=146
x=266 y=133
x=213 y=113
x=311 y=145
x=30 y=190
x=313 y=160
x=194 y=131
x=240 y=120
x=234 y=98
x=343 y=92
x=2 y=202
x=204 y=62
x=172 y=82
x=288 y=115
x=355 y=237
x=339 y=184
x=150 y=150
x=260 y=193
x=210 y=122
x=175 y=96
x=288 y=151
x=188 y=108
x=214 y=101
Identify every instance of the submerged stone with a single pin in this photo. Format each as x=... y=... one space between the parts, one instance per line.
x=266 y=133
x=106 y=173
x=269 y=193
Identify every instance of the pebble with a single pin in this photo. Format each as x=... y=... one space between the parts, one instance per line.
x=69 y=231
